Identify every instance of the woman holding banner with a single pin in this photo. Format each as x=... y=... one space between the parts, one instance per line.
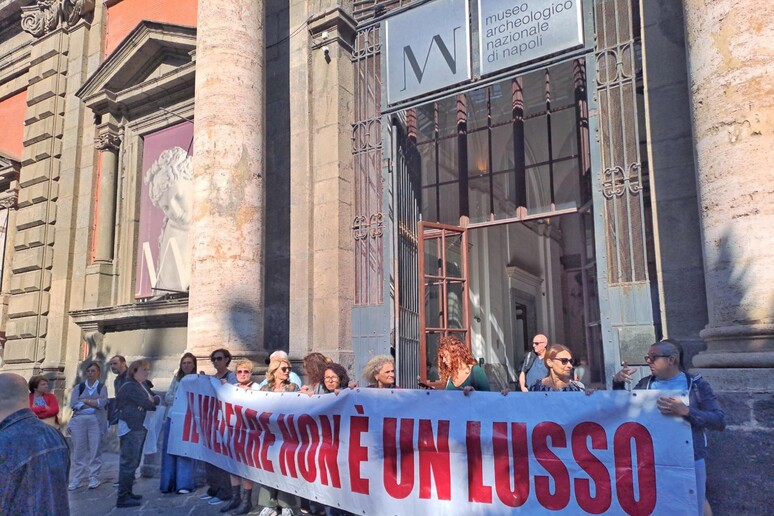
x=177 y=472
x=457 y=367
x=278 y=377
x=379 y=372
x=335 y=378
x=558 y=360
x=242 y=500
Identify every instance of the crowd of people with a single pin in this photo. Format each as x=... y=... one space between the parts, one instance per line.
x=545 y=368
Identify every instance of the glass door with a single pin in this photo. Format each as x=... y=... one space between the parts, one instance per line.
x=443 y=266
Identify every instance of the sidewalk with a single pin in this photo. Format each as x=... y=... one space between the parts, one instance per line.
x=102 y=500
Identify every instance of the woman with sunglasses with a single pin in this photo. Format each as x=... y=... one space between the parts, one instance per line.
x=242 y=488
x=219 y=489
x=177 y=472
x=558 y=361
x=278 y=377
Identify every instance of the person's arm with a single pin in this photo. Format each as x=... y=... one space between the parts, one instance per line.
x=136 y=394
x=51 y=409
x=522 y=380
x=75 y=402
x=708 y=413
x=169 y=396
x=102 y=399
x=480 y=379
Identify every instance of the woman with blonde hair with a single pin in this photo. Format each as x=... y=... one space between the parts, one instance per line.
x=242 y=498
x=379 y=372
x=278 y=376
x=457 y=367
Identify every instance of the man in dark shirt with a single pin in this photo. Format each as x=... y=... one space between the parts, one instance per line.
x=118 y=367
x=34 y=457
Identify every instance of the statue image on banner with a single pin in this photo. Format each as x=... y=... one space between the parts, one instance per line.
x=171 y=189
x=166 y=204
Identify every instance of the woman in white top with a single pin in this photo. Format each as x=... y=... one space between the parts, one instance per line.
x=87 y=425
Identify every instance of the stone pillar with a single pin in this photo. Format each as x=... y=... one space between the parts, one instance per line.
x=108 y=144
x=733 y=126
x=226 y=292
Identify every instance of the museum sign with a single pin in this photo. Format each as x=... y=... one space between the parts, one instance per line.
x=430 y=47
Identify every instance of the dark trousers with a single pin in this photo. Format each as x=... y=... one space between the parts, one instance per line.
x=131 y=453
x=177 y=472
x=219 y=482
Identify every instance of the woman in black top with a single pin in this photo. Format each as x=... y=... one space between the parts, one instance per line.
x=133 y=400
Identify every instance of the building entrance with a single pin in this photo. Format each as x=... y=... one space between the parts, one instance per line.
x=494 y=211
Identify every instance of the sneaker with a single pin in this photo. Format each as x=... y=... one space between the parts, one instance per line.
x=94 y=483
x=215 y=501
x=287 y=511
x=205 y=496
x=73 y=486
x=183 y=491
x=115 y=484
x=268 y=511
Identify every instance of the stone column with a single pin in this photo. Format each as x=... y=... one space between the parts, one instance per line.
x=108 y=144
x=226 y=292
x=733 y=126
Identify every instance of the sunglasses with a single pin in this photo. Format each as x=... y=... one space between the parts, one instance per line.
x=652 y=358
x=218 y=359
x=564 y=361
x=284 y=369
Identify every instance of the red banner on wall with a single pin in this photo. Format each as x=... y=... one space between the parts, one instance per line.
x=393 y=452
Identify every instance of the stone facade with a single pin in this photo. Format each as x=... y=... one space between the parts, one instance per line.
x=270 y=89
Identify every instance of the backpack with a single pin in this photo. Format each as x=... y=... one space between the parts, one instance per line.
x=529 y=360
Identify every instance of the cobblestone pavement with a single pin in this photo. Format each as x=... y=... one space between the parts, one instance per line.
x=102 y=500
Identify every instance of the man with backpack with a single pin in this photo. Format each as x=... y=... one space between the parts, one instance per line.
x=533 y=368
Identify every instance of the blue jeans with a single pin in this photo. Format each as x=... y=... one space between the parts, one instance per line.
x=131 y=453
x=176 y=472
x=701 y=484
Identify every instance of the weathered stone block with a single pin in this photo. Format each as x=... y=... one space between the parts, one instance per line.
x=44 y=109
x=31 y=216
x=736 y=406
x=24 y=327
x=30 y=281
x=19 y=351
x=40 y=192
x=50 y=148
x=763 y=411
x=25 y=305
x=32 y=259
x=41 y=90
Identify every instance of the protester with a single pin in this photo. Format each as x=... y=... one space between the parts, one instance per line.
x=118 y=367
x=134 y=399
x=219 y=489
x=457 y=367
x=277 y=380
x=43 y=403
x=34 y=458
x=702 y=412
x=177 y=472
x=87 y=425
x=533 y=367
x=335 y=378
x=379 y=372
x=241 y=488
x=278 y=377
x=314 y=367
x=558 y=360
x=294 y=378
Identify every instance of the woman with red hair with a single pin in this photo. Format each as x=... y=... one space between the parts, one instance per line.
x=457 y=367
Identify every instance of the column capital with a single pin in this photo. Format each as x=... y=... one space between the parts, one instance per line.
x=45 y=16
x=109 y=141
x=9 y=199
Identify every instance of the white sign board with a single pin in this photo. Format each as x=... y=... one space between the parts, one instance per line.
x=512 y=32
x=427 y=49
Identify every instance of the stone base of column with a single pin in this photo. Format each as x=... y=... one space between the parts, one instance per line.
x=741 y=346
x=745 y=395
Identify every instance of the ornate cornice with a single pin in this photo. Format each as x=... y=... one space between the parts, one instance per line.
x=45 y=16
x=8 y=199
x=108 y=141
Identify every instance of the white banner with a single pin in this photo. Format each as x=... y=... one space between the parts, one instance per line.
x=388 y=452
